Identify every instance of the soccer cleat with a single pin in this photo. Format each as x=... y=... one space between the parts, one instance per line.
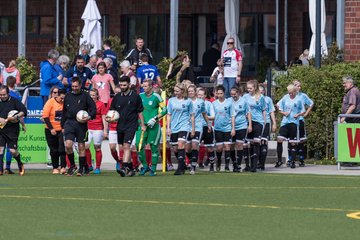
x=55 y=171
x=288 y=163
x=227 y=169
x=201 y=166
x=71 y=171
x=21 y=169
x=97 y=171
x=253 y=170
x=278 y=164
x=302 y=164
x=218 y=166
x=192 y=171
x=119 y=170
x=152 y=173
x=211 y=167
x=247 y=169
x=292 y=165
x=91 y=168
x=144 y=170
x=80 y=172
x=63 y=171
x=8 y=171
x=130 y=173
x=236 y=168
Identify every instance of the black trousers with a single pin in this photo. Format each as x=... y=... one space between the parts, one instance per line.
x=57 y=148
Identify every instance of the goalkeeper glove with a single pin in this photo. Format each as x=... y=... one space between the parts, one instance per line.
x=152 y=121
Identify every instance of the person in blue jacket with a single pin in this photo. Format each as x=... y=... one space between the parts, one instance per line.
x=49 y=77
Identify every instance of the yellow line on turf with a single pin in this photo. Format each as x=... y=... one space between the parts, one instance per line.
x=179 y=203
x=184 y=187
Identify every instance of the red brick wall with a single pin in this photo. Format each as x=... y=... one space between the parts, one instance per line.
x=352 y=30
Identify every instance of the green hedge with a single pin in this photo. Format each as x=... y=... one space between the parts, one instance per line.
x=324 y=86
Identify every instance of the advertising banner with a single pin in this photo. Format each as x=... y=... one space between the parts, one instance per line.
x=348 y=142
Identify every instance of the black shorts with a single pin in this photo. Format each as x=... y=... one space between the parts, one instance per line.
x=207 y=137
x=266 y=133
x=240 y=136
x=9 y=139
x=75 y=131
x=175 y=137
x=196 y=138
x=302 y=131
x=289 y=132
x=257 y=132
x=126 y=137
x=222 y=137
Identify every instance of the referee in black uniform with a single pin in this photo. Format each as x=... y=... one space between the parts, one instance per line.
x=9 y=127
x=75 y=101
x=130 y=107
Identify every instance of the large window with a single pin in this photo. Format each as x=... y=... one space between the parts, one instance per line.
x=152 y=29
x=35 y=26
x=257 y=36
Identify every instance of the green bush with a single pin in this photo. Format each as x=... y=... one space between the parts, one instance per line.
x=324 y=87
x=70 y=46
x=28 y=74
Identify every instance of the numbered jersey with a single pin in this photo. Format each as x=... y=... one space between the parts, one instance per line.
x=147 y=71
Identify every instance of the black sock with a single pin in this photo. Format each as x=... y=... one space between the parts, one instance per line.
x=189 y=155
x=176 y=155
x=293 y=153
x=279 y=149
x=211 y=157
x=227 y=158
x=246 y=156
x=233 y=156
x=1 y=162
x=218 y=156
x=255 y=155
x=71 y=159
x=263 y=154
x=181 y=156
x=18 y=159
x=125 y=165
x=239 y=156
x=82 y=162
x=194 y=157
x=130 y=166
x=301 y=152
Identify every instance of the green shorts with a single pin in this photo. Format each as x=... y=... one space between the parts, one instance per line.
x=151 y=136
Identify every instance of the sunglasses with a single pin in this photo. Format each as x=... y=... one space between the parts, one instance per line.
x=230 y=42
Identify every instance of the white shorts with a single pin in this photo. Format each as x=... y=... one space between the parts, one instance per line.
x=113 y=137
x=96 y=136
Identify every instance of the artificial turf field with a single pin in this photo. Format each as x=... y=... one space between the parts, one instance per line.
x=205 y=206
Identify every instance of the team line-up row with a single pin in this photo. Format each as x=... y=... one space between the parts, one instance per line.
x=239 y=126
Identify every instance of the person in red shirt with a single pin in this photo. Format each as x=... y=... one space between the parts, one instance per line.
x=97 y=131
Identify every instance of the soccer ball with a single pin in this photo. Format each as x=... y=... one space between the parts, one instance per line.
x=112 y=116
x=81 y=116
x=13 y=113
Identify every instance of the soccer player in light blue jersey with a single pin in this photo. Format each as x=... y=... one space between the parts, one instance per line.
x=291 y=107
x=222 y=127
x=270 y=125
x=308 y=105
x=192 y=146
x=180 y=122
x=241 y=124
x=208 y=133
x=256 y=102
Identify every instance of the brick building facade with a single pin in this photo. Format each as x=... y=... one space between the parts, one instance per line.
x=129 y=18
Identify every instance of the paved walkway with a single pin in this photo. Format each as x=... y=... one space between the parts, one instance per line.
x=308 y=169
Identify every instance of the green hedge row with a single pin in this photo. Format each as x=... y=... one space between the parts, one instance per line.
x=324 y=86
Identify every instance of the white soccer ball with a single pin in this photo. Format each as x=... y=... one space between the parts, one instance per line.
x=82 y=116
x=12 y=113
x=112 y=116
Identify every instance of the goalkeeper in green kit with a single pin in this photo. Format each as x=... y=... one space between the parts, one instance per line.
x=151 y=102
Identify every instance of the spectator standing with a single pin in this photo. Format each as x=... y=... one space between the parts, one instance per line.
x=49 y=77
x=126 y=71
x=93 y=61
x=217 y=75
x=351 y=100
x=232 y=59
x=210 y=58
x=110 y=69
x=109 y=53
x=103 y=82
x=80 y=71
x=134 y=55
x=11 y=70
x=183 y=72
